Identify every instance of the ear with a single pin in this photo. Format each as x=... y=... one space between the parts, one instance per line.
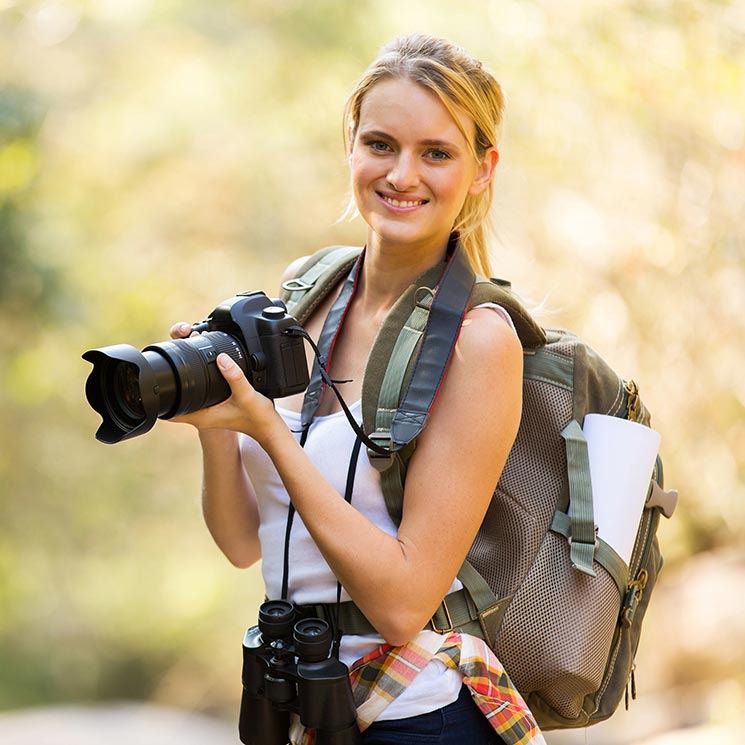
x=485 y=171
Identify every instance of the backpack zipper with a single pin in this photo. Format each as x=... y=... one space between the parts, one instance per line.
x=634 y=594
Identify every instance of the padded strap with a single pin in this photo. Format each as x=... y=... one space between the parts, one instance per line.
x=326 y=341
x=583 y=540
x=449 y=307
x=393 y=467
x=531 y=335
x=316 y=278
x=456 y=612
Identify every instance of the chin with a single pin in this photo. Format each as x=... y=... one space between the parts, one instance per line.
x=400 y=233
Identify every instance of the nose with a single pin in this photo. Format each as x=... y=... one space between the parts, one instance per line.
x=403 y=174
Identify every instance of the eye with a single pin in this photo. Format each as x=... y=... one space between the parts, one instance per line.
x=438 y=155
x=378 y=146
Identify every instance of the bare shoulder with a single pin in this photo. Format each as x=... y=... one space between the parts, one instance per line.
x=484 y=381
x=487 y=338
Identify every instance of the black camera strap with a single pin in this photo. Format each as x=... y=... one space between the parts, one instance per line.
x=348 y=491
x=322 y=375
x=319 y=381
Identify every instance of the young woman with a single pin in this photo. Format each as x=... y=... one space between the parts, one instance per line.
x=422 y=129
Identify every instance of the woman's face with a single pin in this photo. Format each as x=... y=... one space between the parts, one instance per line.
x=412 y=168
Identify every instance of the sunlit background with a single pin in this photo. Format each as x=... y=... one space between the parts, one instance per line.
x=156 y=156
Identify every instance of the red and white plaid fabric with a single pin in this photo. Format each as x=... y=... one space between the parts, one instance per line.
x=383 y=674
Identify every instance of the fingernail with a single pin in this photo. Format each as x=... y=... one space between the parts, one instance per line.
x=224 y=361
x=184 y=328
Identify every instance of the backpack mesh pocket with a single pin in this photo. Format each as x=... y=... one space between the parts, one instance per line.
x=531 y=488
x=558 y=630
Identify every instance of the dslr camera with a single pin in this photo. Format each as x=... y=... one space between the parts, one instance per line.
x=131 y=389
x=286 y=669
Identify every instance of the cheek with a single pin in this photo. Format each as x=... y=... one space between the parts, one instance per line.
x=361 y=173
x=455 y=190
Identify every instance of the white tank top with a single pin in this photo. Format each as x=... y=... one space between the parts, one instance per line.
x=329 y=445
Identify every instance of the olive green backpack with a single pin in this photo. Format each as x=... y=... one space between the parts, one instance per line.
x=559 y=607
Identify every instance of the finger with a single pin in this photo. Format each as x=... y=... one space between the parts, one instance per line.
x=180 y=330
x=231 y=372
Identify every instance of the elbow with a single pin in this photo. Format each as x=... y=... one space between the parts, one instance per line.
x=241 y=557
x=399 y=628
x=239 y=562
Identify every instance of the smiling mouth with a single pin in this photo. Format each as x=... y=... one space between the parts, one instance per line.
x=402 y=203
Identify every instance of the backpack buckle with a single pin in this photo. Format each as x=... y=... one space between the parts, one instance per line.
x=423 y=298
x=296 y=284
x=447 y=629
x=595 y=543
x=380 y=461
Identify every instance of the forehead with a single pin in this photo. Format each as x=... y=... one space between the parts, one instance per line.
x=401 y=106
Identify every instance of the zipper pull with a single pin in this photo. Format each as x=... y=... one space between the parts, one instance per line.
x=633 y=405
x=632 y=682
x=633 y=598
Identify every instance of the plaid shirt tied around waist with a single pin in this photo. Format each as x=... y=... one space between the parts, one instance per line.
x=380 y=676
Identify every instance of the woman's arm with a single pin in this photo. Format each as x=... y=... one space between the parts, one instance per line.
x=228 y=498
x=398 y=581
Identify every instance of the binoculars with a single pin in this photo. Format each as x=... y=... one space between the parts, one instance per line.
x=287 y=669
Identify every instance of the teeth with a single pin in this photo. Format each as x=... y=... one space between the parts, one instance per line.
x=399 y=203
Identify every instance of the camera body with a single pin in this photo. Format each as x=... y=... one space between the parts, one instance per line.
x=275 y=363
x=131 y=389
x=286 y=669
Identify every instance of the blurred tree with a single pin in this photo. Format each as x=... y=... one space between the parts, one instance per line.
x=28 y=289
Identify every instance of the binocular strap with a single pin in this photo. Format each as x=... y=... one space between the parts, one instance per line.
x=348 y=490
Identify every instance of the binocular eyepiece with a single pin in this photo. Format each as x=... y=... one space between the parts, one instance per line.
x=287 y=669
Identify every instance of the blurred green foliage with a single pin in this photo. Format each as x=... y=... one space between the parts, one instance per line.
x=156 y=156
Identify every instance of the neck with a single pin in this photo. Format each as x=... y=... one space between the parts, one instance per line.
x=388 y=270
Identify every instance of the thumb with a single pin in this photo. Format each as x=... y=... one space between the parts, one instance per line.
x=229 y=369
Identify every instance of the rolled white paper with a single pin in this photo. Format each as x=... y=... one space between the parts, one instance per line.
x=622 y=457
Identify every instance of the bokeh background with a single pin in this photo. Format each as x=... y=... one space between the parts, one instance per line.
x=157 y=156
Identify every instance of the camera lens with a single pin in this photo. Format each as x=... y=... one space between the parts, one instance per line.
x=312 y=638
x=194 y=377
x=131 y=389
x=276 y=618
x=126 y=390
x=121 y=392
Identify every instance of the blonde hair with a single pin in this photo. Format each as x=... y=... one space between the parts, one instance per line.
x=459 y=80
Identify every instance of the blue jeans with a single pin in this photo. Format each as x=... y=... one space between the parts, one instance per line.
x=459 y=723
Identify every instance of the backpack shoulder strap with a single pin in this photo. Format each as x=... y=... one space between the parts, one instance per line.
x=403 y=364
x=499 y=291
x=323 y=271
x=415 y=364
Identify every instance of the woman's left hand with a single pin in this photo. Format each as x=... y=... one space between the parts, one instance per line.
x=245 y=410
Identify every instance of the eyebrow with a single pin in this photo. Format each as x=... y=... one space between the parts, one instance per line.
x=446 y=144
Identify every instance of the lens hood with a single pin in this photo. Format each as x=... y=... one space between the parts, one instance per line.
x=121 y=421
